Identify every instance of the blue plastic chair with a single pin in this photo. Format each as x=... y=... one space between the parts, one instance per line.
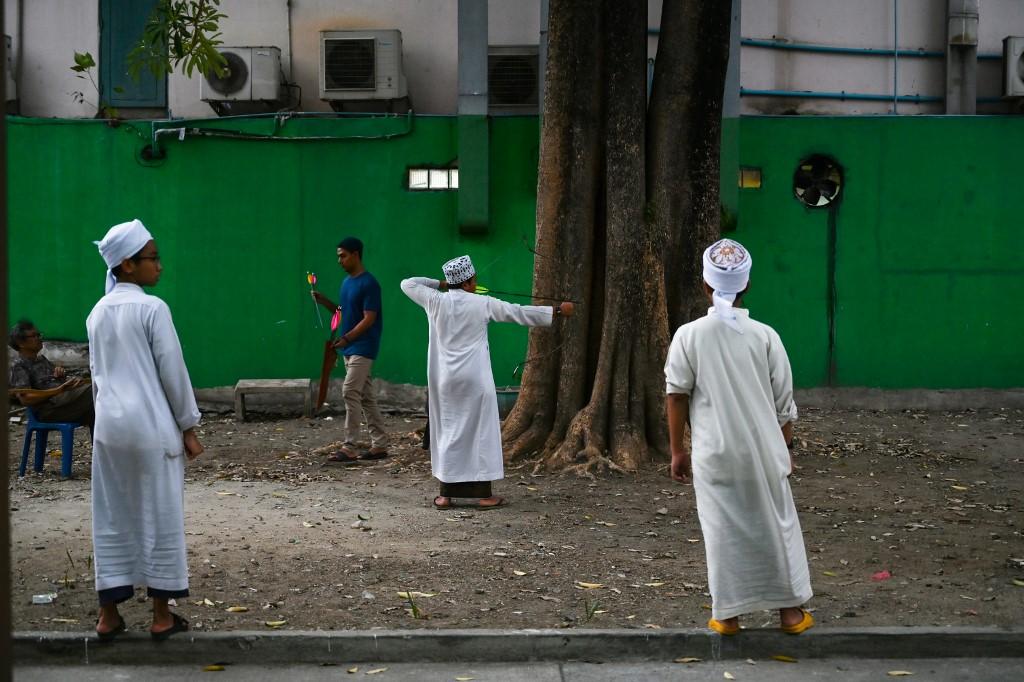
x=42 y=431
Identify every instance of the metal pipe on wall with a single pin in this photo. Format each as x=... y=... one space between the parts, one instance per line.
x=961 y=56
x=776 y=44
x=895 y=54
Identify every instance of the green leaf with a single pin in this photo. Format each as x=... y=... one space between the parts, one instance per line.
x=83 y=60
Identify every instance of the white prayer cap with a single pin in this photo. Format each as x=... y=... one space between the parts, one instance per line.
x=458 y=270
x=122 y=241
x=727 y=271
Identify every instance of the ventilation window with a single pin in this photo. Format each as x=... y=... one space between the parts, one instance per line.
x=818 y=181
x=424 y=179
x=512 y=79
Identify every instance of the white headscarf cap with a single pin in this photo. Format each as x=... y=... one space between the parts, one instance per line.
x=458 y=270
x=727 y=271
x=121 y=241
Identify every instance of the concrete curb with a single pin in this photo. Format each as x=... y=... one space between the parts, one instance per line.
x=925 y=399
x=513 y=646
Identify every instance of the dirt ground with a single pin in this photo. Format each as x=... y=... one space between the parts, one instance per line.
x=933 y=499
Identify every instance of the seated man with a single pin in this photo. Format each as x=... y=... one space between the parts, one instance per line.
x=36 y=383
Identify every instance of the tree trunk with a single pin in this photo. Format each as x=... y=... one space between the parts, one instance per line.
x=683 y=142
x=592 y=393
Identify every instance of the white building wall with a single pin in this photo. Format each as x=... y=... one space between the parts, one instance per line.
x=864 y=23
x=429 y=42
x=55 y=29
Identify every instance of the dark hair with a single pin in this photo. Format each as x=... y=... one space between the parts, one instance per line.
x=352 y=245
x=117 y=268
x=19 y=331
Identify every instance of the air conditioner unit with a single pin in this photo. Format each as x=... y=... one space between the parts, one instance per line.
x=11 y=87
x=512 y=79
x=1013 y=66
x=361 y=65
x=253 y=75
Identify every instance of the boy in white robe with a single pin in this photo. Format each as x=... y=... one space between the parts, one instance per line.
x=146 y=416
x=465 y=432
x=729 y=380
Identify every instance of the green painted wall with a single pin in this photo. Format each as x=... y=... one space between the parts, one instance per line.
x=928 y=279
x=239 y=222
x=927 y=238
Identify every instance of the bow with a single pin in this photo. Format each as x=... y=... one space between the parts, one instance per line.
x=330 y=359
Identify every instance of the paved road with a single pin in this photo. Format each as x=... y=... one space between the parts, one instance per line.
x=844 y=669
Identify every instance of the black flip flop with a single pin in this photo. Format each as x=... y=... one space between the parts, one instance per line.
x=369 y=455
x=112 y=635
x=180 y=625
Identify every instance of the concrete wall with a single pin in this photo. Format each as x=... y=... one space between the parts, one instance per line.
x=864 y=23
x=55 y=29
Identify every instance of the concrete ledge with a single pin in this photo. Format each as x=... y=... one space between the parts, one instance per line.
x=851 y=398
x=508 y=646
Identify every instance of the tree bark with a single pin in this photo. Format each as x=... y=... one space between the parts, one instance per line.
x=683 y=142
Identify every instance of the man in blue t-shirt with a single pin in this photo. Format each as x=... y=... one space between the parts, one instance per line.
x=362 y=320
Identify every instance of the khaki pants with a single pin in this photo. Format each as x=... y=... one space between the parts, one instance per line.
x=360 y=400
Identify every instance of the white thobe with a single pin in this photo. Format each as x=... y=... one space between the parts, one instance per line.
x=144 y=401
x=465 y=432
x=741 y=393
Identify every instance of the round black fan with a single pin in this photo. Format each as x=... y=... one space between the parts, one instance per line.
x=817 y=181
x=235 y=75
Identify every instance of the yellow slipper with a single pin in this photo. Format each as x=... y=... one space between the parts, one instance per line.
x=723 y=629
x=806 y=623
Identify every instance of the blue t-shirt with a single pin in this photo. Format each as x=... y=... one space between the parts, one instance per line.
x=359 y=294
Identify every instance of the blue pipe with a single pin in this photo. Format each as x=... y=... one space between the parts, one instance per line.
x=814 y=94
x=863 y=51
x=858 y=96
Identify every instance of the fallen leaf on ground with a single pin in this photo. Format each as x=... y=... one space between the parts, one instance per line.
x=352 y=671
x=520 y=573
x=275 y=623
x=687 y=659
x=1018 y=583
x=588 y=586
x=237 y=609
x=784 y=659
x=375 y=671
x=653 y=584
x=881 y=575
x=829 y=574
x=208 y=602
x=307 y=524
x=899 y=673
x=728 y=675
x=416 y=595
x=215 y=668
x=464 y=679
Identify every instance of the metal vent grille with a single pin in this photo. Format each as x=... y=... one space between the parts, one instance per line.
x=350 y=64
x=512 y=80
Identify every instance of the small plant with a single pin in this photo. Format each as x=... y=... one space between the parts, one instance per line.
x=83 y=66
x=180 y=32
x=413 y=610
x=589 y=609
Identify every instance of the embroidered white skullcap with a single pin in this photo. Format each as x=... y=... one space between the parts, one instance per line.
x=458 y=270
x=727 y=271
x=122 y=241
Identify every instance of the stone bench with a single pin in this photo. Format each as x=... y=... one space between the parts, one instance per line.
x=244 y=387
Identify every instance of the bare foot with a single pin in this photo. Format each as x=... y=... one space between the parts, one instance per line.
x=109 y=620
x=791 y=616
